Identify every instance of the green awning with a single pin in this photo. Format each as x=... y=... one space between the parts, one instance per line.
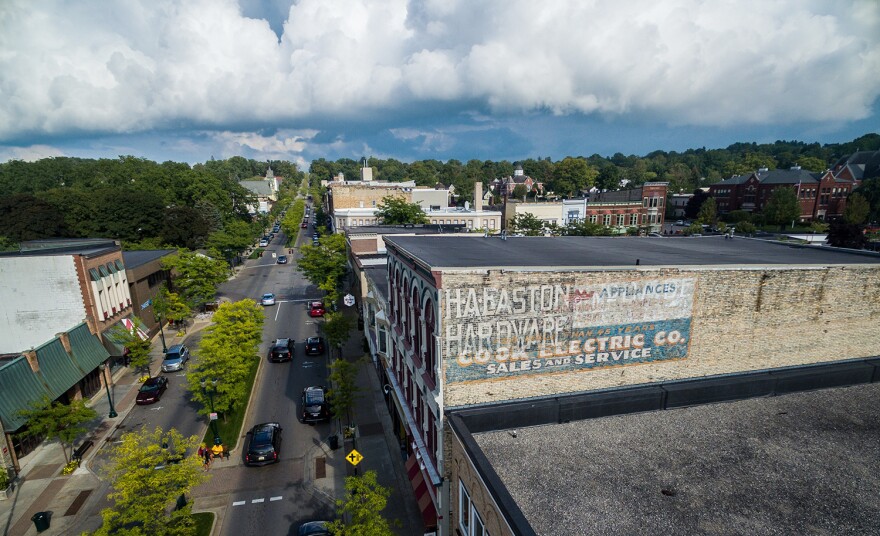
x=57 y=368
x=120 y=266
x=87 y=350
x=95 y=275
x=21 y=388
x=103 y=271
x=111 y=267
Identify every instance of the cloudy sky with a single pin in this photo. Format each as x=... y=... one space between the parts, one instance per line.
x=185 y=80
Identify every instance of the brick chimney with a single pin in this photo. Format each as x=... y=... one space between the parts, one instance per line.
x=31 y=356
x=478 y=196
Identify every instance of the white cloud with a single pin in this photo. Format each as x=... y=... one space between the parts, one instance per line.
x=94 y=66
x=29 y=154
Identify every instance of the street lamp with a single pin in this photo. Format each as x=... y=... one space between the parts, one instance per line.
x=113 y=413
x=210 y=392
x=162 y=333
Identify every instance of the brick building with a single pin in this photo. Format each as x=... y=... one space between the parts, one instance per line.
x=468 y=321
x=822 y=196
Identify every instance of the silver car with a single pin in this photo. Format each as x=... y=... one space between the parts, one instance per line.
x=175 y=358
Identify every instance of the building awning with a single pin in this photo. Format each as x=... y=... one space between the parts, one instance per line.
x=103 y=271
x=21 y=388
x=94 y=274
x=120 y=266
x=423 y=495
x=57 y=368
x=86 y=349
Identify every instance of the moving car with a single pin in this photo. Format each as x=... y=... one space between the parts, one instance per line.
x=268 y=299
x=316 y=309
x=314 y=405
x=304 y=224
x=175 y=358
x=282 y=259
x=264 y=446
x=151 y=391
x=314 y=528
x=281 y=350
x=314 y=346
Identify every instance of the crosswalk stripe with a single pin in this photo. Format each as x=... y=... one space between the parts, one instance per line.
x=238 y=503
x=255 y=501
x=274 y=498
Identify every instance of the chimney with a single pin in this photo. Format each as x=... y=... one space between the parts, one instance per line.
x=31 y=356
x=478 y=196
x=64 y=337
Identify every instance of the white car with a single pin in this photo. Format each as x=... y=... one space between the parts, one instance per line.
x=268 y=299
x=264 y=243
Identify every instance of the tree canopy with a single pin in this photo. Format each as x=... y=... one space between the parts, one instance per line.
x=783 y=207
x=394 y=210
x=64 y=422
x=197 y=276
x=361 y=508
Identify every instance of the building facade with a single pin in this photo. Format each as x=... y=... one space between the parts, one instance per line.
x=535 y=317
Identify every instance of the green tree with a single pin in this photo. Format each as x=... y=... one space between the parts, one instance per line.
x=343 y=388
x=197 y=276
x=746 y=227
x=325 y=264
x=846 y=235
x=169 y=306
x=227 y=352
x=337 y=327
x=527 y=224
x=811 y=163
x=571 y=175
x=149 y=470
x=60 y=421
x=138 y=348
x=708 y=212
x=783 y=207
x=585 y=228
x=520 y=191
x=870 y=190
x=184 y=227
x=857 y=209
x=364 y=501
x=397 y=211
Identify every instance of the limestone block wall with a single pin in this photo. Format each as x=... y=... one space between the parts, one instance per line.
x=359 y=196
x=515 y=334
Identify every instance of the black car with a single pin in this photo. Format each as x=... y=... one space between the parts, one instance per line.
x=314 y=528
x=265 y=444
x=314 y=346
x=314 y=405
x=282 y=259
x=281 y=350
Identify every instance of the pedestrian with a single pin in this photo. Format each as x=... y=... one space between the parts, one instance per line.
x=205 y=453
x=217 y=451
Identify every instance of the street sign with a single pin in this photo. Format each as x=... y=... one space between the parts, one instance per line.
x=213 y=416
x=354 y=457
x=348 y=300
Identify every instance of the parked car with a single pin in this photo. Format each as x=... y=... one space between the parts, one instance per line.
x=315 y=242
x=151 y=391
x=268 y=299
x=264 y=243
x=316 y=309
x=264 y=446
x=314 y=346
x=314 y=405
x=281 y=350
x=314 y=528
x=304 y=225
x=315 y=236
x=282 y=259
x=175 y=358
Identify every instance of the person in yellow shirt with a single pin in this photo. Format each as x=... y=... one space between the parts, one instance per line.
x=217 y=450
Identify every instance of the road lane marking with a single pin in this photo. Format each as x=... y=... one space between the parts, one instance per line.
x=277 y=311
x=255 y=501
x=275 y=498
x=238 y=503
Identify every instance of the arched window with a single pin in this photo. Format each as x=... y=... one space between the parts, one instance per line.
x=417 y=324
x=398 y=307
x=404 y=309
x=393 y=288
x=430 y=342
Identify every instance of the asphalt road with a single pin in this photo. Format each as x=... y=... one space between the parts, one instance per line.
x=272 y=499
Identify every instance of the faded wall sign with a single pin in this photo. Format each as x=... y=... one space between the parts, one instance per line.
x=501 y=332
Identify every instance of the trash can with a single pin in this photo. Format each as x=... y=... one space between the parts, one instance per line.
x=41 y=521
x=334 y=442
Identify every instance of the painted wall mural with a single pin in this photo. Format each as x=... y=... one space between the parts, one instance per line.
x=494 y=332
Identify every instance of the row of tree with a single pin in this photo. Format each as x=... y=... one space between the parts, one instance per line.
x=684 y=171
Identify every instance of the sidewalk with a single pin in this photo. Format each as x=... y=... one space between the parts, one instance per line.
x=376 y=442
x=74 y=501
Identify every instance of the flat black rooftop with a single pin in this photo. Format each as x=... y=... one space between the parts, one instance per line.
x=574 y=251
x=801 y=463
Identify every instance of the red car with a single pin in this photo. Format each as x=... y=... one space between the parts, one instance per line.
x=304 y=224
x=316 y=308
x=151 y=391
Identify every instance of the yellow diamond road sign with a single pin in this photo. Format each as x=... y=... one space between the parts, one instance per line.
x=354 y=457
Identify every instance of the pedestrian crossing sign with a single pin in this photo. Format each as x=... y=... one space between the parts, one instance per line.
x=354 y=457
